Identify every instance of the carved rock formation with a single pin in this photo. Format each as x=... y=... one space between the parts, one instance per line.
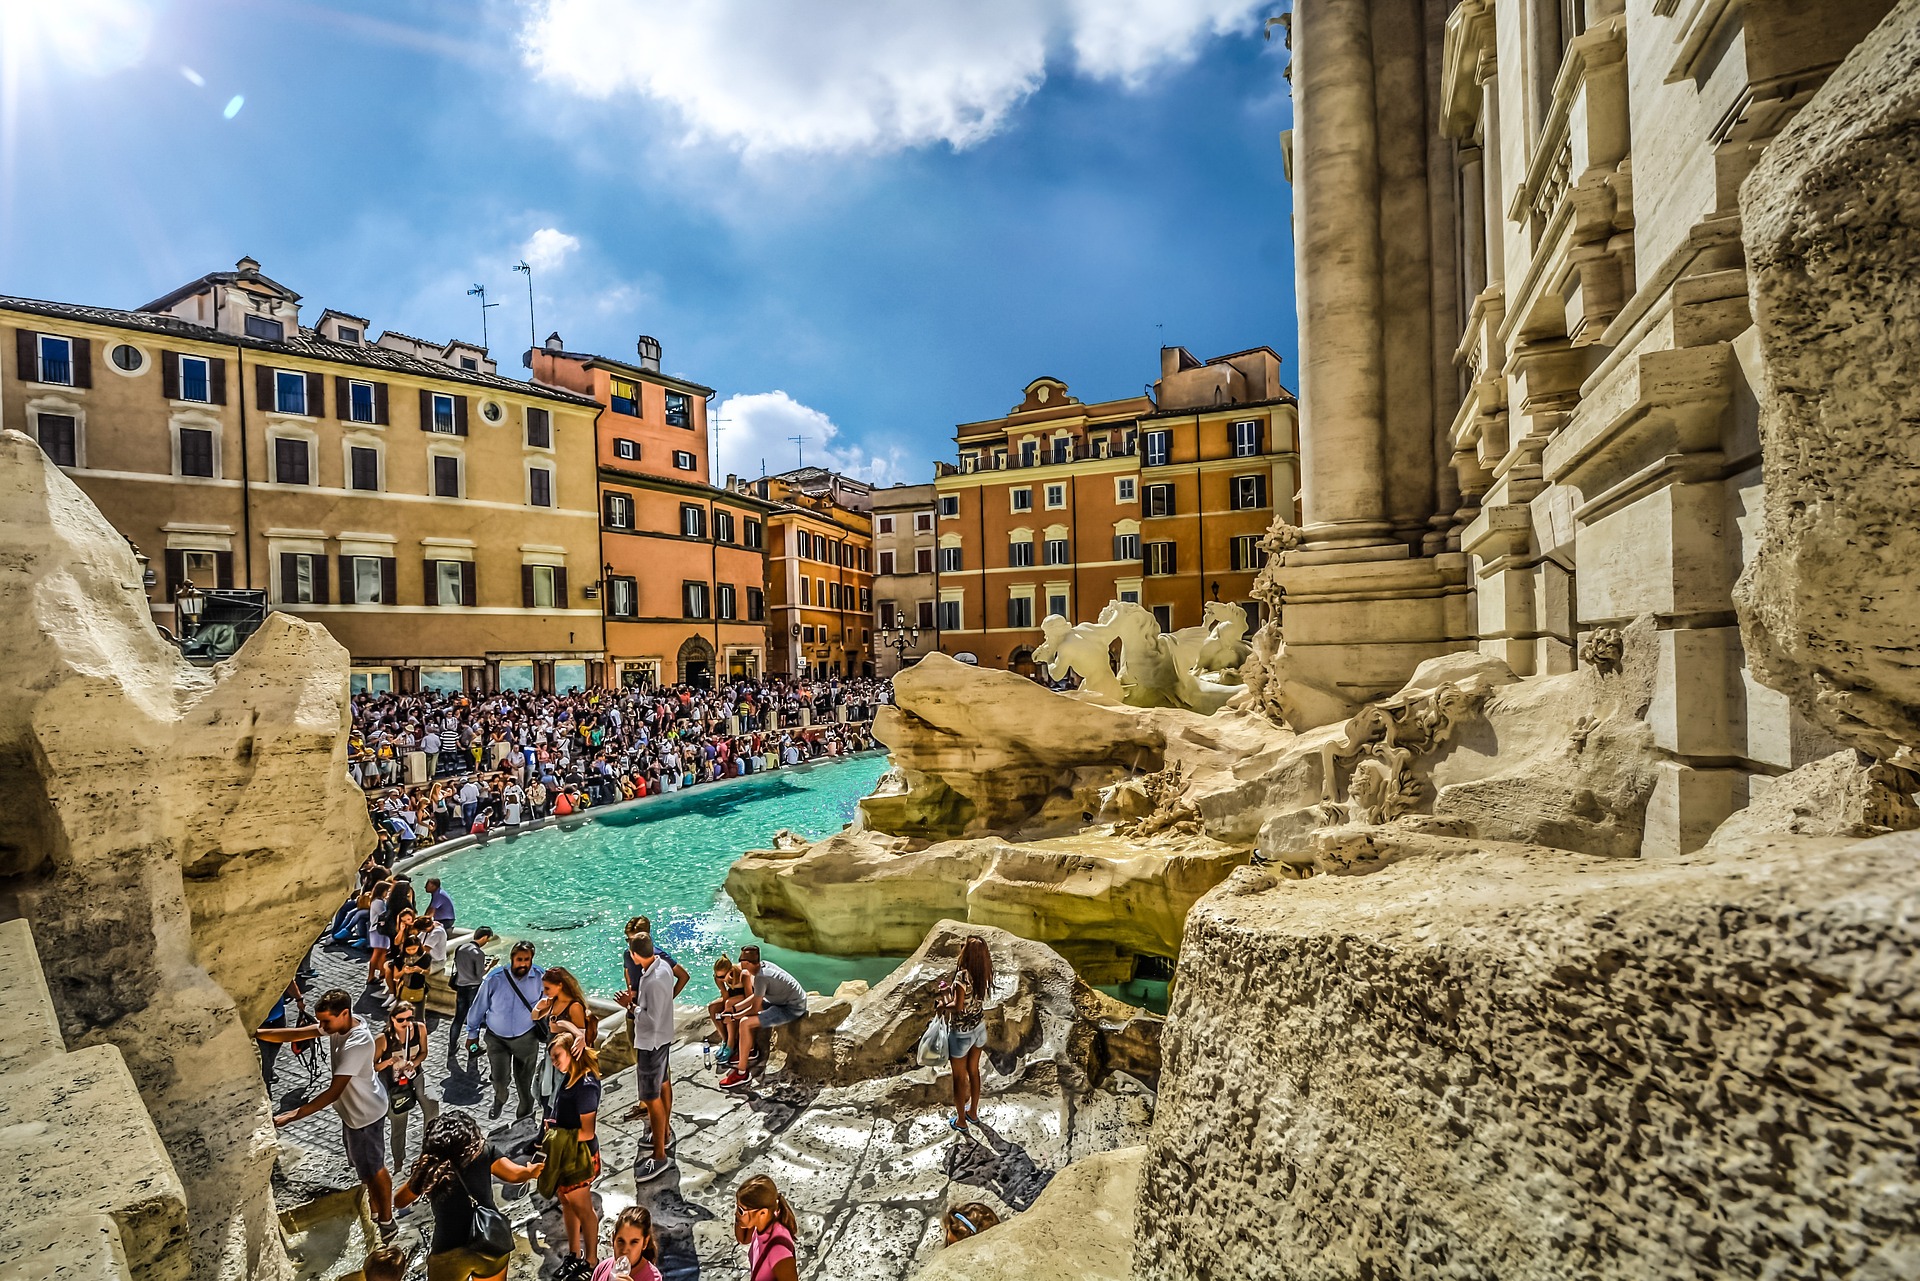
x=1845 y=794
x=1833 y=253
x=177 y=835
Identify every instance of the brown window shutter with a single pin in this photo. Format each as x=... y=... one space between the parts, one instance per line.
x=431 y=571
x=389 y=581
x=223 y=569
x=526 y=587
x=317 y=395
x=467 y=596
x=217 y=381
x=83 y=362
x=560 y=587
x=341 y=397
x=380 y=403
x=426 y=410
x=263 y=388
x=320 y=594
x=176 y=571
x=27 y=352
x=346 y=580
x=289 y=577
x=459 y=415
x=170 y=375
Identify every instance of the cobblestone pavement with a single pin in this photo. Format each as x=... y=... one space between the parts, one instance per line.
x=869 y=1168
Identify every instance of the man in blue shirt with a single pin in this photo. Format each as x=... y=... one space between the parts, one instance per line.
x=503 y=1008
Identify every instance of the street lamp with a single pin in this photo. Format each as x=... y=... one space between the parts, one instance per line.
x=900 y=638
x=188 y=602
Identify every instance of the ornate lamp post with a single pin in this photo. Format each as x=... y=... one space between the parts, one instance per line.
x=188 y=602
x=900 y=638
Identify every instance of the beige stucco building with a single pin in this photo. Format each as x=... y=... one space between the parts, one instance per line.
x=904 y=582
x=1528 y=364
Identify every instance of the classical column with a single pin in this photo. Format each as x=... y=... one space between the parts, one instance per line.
x=1337 y=245
x=1407 y=139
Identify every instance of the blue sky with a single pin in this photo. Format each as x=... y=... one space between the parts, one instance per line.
x=859 y=220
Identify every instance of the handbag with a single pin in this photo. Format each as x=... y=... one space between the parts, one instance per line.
x=541 y=1032
x=932 y=1051
x=488 y=1231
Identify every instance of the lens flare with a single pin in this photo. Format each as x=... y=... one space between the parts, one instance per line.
x=233 y=106
x=92 y=37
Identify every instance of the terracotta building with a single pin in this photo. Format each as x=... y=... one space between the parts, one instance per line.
x=1062 y=506
x=819 y=575
x=682 y=562
x=904 y=591
x=437 y=518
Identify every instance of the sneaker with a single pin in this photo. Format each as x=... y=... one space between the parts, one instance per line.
x=387 y=1229
x=724 y=1056
x=733 y=1078
x=499 y=1106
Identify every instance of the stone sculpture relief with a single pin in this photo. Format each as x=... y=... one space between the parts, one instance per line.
x=1081 y=649
x=1381 y=744
x=1603 y=649
x=1157 y=669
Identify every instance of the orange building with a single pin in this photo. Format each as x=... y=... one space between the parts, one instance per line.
x=1061 y=506
x=819 y=575
x=683 y=562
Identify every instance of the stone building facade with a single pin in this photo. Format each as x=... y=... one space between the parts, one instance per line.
x=819 y=574
x=904 y=592
x=1528 y=364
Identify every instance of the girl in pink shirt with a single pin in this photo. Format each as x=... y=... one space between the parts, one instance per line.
x=764 y=1223
x=634 y=1249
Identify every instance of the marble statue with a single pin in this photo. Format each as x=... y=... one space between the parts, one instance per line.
x=1082 y=650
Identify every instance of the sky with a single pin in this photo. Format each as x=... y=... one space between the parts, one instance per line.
x=860 y=221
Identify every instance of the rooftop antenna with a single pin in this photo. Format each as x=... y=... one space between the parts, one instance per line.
x=719 y=421
x=533 y=342
x=481 y=292
x=800 y=444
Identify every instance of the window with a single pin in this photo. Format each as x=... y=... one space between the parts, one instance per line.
x=889 y=614
x=679 y=409
x=1248 y=492
x=883 y=524
x=820 y=591
x=722 y=529
x=1020 y=553
x=756 y=605
x=202 y=569
x=59 y=438
x=196 y=452
x=683 y=460
x=261 y=327
x=625 y=397
x=693 y=600
x=1029 y=452
x=723 y=595
x=543 y=587
x=1056 y=552
x=923 y=560
x=1062 y=449
x=622 y=598
x=347 y=333
x=806 y=633
x=949 y=560
x=886 y=562
x=196 y=379
x=1022 y=500
x=627 y=449
x=441 y=415
x=1159 y=448
x=1124 y=490
x=949 y=504
x=363 y=468
x=368 y=580
x=1056 y=496
x=949 y=616
x=360 y=401
x=1126 y=547
x=1245 y=552
x=693 y=521
x=491 y=411
x=446 y=476
x=540 y=431
x=924 y=615
x=539 y=487
x=126 y=356
x=299 y=578
x=1131 y=595
x=619 y=511
x=469 y=363
x=1245 y=438
x=756 y=534
x=1057 y=604
x=447 y=580
x=292 y=461
x=1163 y=615
x=834 y=597
x=1020 y=611
x=289 y=391
x=1160 y=558
x=1160 y=500
x=923 y=522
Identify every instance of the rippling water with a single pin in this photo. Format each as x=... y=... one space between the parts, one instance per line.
x=572 y=890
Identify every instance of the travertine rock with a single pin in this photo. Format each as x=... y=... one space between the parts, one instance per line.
x=1530 y=1064
x=1080 y=1229
x=177 y=836
x=1833 y=254
x=1846 y=794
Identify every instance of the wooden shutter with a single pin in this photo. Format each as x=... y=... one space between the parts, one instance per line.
x=176 y=571
x=526 y=587
x=459 y=415
x=217 y=381
x=467 y=596
x=27 y=352
x=289 y=578
x=342 y=398
x=263 y=388
x=560 y=587
x=1259 y=491
x=320 y=594
x=380 y=403
x=346 y=580
x=223 y=569
x=431 y=571
x=170 y=375
x=426 y=410
x=82 y=362
x=317 y=395
x=539 y=428
x=389 y=581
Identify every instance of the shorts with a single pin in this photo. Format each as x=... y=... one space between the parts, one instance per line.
x=367 y=1149
x=463 y=1264
x=780 y=1015
x=960 y=1044
x=378 y=940
x=584 y=1183
x=650 y=1071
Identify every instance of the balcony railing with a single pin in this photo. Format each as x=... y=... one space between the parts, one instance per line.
x=1080 y=453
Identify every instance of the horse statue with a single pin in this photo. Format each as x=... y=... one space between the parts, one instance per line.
x=1225 y=646
x=1150 y=670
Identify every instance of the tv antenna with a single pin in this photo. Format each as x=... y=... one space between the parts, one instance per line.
x=533 y=341
x=481 y=292
x=800 y=444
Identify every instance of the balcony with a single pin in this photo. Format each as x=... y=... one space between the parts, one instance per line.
x=1080 y=452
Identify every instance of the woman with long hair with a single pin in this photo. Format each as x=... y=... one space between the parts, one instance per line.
x=573 y=1151
x=764 y=1223
x=563 y=1001
x=378 y=937
x=965 y=999
x=455 y=1173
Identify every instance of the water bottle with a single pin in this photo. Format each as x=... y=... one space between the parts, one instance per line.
x=706 y=1056
x=622 y=1269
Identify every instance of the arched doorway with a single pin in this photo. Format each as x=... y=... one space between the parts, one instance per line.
x=696 y=663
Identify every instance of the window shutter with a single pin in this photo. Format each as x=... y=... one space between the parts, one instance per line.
x=606 y=510
x=342 y=398
x=560 y=587
x=289 y=577
x=170 y=375
x=317 y=395
x=526 y=587
x=82 y=362
x=459 y=415
x=176 y=571
x=426 y=410
x=223 y=569
x=1259 y=491
x=389 y=585
x=27 y=351
x=263 y=387
x=320 y=595
x=380 y=403
x=346 y=581
x=431 y=572
x=217 y=381
x=467 y=596
x=539 y=428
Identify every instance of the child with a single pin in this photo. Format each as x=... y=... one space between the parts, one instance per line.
x=764 y=1223
x=387 y=1263
x=969 y=1220
x=634 y=1249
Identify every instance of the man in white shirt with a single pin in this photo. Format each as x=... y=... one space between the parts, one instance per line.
x=356 y=1094
x=430 y=744
x=470 y=801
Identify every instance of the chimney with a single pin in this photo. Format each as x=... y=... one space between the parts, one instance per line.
x=553 y=342
x=649 y=354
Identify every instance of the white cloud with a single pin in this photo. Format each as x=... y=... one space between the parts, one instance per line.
x=855 y=75
x=548 y=248
x=759 y=428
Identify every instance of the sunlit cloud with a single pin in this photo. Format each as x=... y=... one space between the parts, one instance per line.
x=549 y=248
x=760 y=427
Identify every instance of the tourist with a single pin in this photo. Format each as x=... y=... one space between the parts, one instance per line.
x=969 y=1220
x=774 y=999
x=653 y=981
x=400 y=1056
x=469 y=970
x=469 y=802
x=764 y=1223
x=964 y=996
x=378 y=939
x=573 y=1151
x=561 y=1000
x=503 y=1010
x=430 y=745
x=408 y=962
x=356 y=1093
x=455 y=1173
x=635 y=1254
x=433 y=936
x=731 y=982
x=278 y=1017
x=384 y=1263
x=439 y=902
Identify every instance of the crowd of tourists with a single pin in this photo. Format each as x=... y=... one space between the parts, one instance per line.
x=538 y=1036
x=486 y=762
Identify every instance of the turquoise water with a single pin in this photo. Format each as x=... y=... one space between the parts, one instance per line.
x=571 y=890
